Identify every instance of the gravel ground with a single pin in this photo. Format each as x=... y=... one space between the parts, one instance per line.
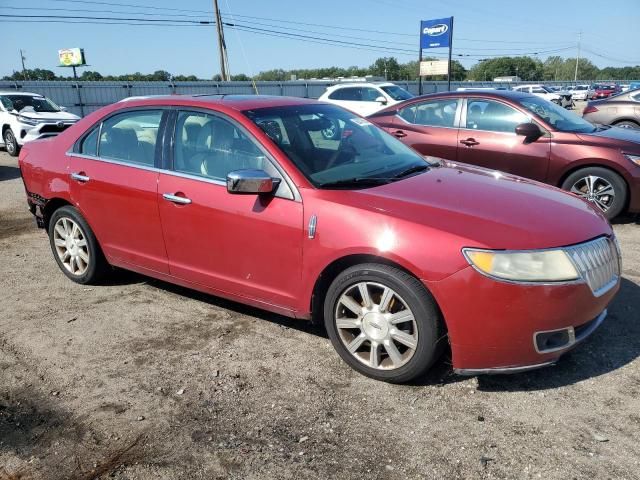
x=141 y=379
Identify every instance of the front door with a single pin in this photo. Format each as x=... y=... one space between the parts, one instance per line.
x=114 y=184
x=487 y=138
x=243 y=245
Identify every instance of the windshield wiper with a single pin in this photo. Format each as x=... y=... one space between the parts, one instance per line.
x=410 y=171
x=356 y=182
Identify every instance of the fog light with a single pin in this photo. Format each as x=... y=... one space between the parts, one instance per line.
x=554 y=340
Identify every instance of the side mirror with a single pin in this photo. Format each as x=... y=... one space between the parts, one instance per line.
x=381 y=100
x=251 y=182
x=530 y=131
x=63 y=109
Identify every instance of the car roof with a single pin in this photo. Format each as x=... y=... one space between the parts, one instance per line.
x=14 y=92
x=497 y=94
x=361 y=84
x=236 y=102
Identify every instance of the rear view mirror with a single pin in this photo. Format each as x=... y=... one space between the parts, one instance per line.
x=530 y=131
x=381 y=100
x=251 y=182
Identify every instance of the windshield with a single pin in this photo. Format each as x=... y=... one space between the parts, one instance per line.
x=334 y=148
x=555 y=115
x=396 y=92
x=22 y=102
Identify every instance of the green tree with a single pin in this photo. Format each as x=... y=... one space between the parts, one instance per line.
x=527 y=68
x=89 y=75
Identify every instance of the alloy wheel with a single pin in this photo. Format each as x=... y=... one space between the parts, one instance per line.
x=376 y=326
x=9 y=142
x=71 y=246
x=596 y=190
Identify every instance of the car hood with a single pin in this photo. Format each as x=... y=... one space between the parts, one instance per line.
x=487 y=208
x=613 y=133
x=50 y=116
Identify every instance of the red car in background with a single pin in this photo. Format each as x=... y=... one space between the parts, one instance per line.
x=600 y=90
x=525 y=135
x=244 y=197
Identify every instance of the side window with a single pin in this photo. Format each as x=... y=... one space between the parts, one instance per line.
x=538 y=90
x=493 y=116
x=211 y=147
x=435 y=113
x=370 y=94
x=352 y=94
x=131 y=137
x=89 y=145
x=6 y=103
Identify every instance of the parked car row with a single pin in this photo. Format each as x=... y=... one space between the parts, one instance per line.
x=396 y=253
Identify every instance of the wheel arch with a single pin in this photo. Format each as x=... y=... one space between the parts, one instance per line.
x=333 y=269
x=51 y=206
x=590 y=164
x=624 y=119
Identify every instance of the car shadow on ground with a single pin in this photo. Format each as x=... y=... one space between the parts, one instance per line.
x=9 y=173
x=626 y=219
x=615 y=344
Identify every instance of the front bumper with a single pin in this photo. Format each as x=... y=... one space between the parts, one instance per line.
x=492 y=325
x=26 y=133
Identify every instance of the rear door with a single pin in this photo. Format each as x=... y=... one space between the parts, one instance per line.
x=247 y=246
x=430 y=127
x=487 y=138
x=114 y=183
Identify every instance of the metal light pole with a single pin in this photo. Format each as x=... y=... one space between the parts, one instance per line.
x=575 y=76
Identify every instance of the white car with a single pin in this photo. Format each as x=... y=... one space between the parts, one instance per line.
x=562 y=99
x=365 y=98
x=580 y=92
x=28 y=116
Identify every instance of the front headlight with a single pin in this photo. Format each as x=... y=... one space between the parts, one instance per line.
x=27 y=120
x=634 y=158
x=524 y=266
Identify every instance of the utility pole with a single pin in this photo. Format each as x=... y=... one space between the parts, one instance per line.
x=222 y=46
x=24 y=70
x=575 y=76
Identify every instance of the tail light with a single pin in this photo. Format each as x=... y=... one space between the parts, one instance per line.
x=589 y=109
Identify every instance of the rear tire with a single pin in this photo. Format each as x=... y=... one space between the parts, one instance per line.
x=10 y=143
x=605 y=189
x=383 y=322
x=75 y=247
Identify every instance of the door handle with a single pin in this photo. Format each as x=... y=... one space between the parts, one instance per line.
x=80 y=177
x=176 y=199
x=399 y=134
x=469 y=142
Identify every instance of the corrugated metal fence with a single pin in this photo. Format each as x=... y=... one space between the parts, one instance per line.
x=82 y=98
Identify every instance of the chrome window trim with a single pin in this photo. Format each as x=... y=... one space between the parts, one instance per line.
x=71 y=153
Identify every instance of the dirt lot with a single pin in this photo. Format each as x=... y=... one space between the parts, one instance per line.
x=141 y=379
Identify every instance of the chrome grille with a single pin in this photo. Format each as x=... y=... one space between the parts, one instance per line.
x=598 y=263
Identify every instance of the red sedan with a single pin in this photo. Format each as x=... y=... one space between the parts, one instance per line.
x=245 y=198
x=524 y=135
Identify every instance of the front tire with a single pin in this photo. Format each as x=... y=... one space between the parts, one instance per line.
x=10 y=143
x=600 y=186
x=75 y=247
x=382 y=322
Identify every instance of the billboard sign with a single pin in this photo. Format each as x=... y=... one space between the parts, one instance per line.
x=71 y=57
x=434 y=67
x=435 y=33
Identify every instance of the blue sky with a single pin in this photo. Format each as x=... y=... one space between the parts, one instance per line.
x=481 y=29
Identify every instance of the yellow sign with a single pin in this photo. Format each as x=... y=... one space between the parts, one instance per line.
x=71 y=57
